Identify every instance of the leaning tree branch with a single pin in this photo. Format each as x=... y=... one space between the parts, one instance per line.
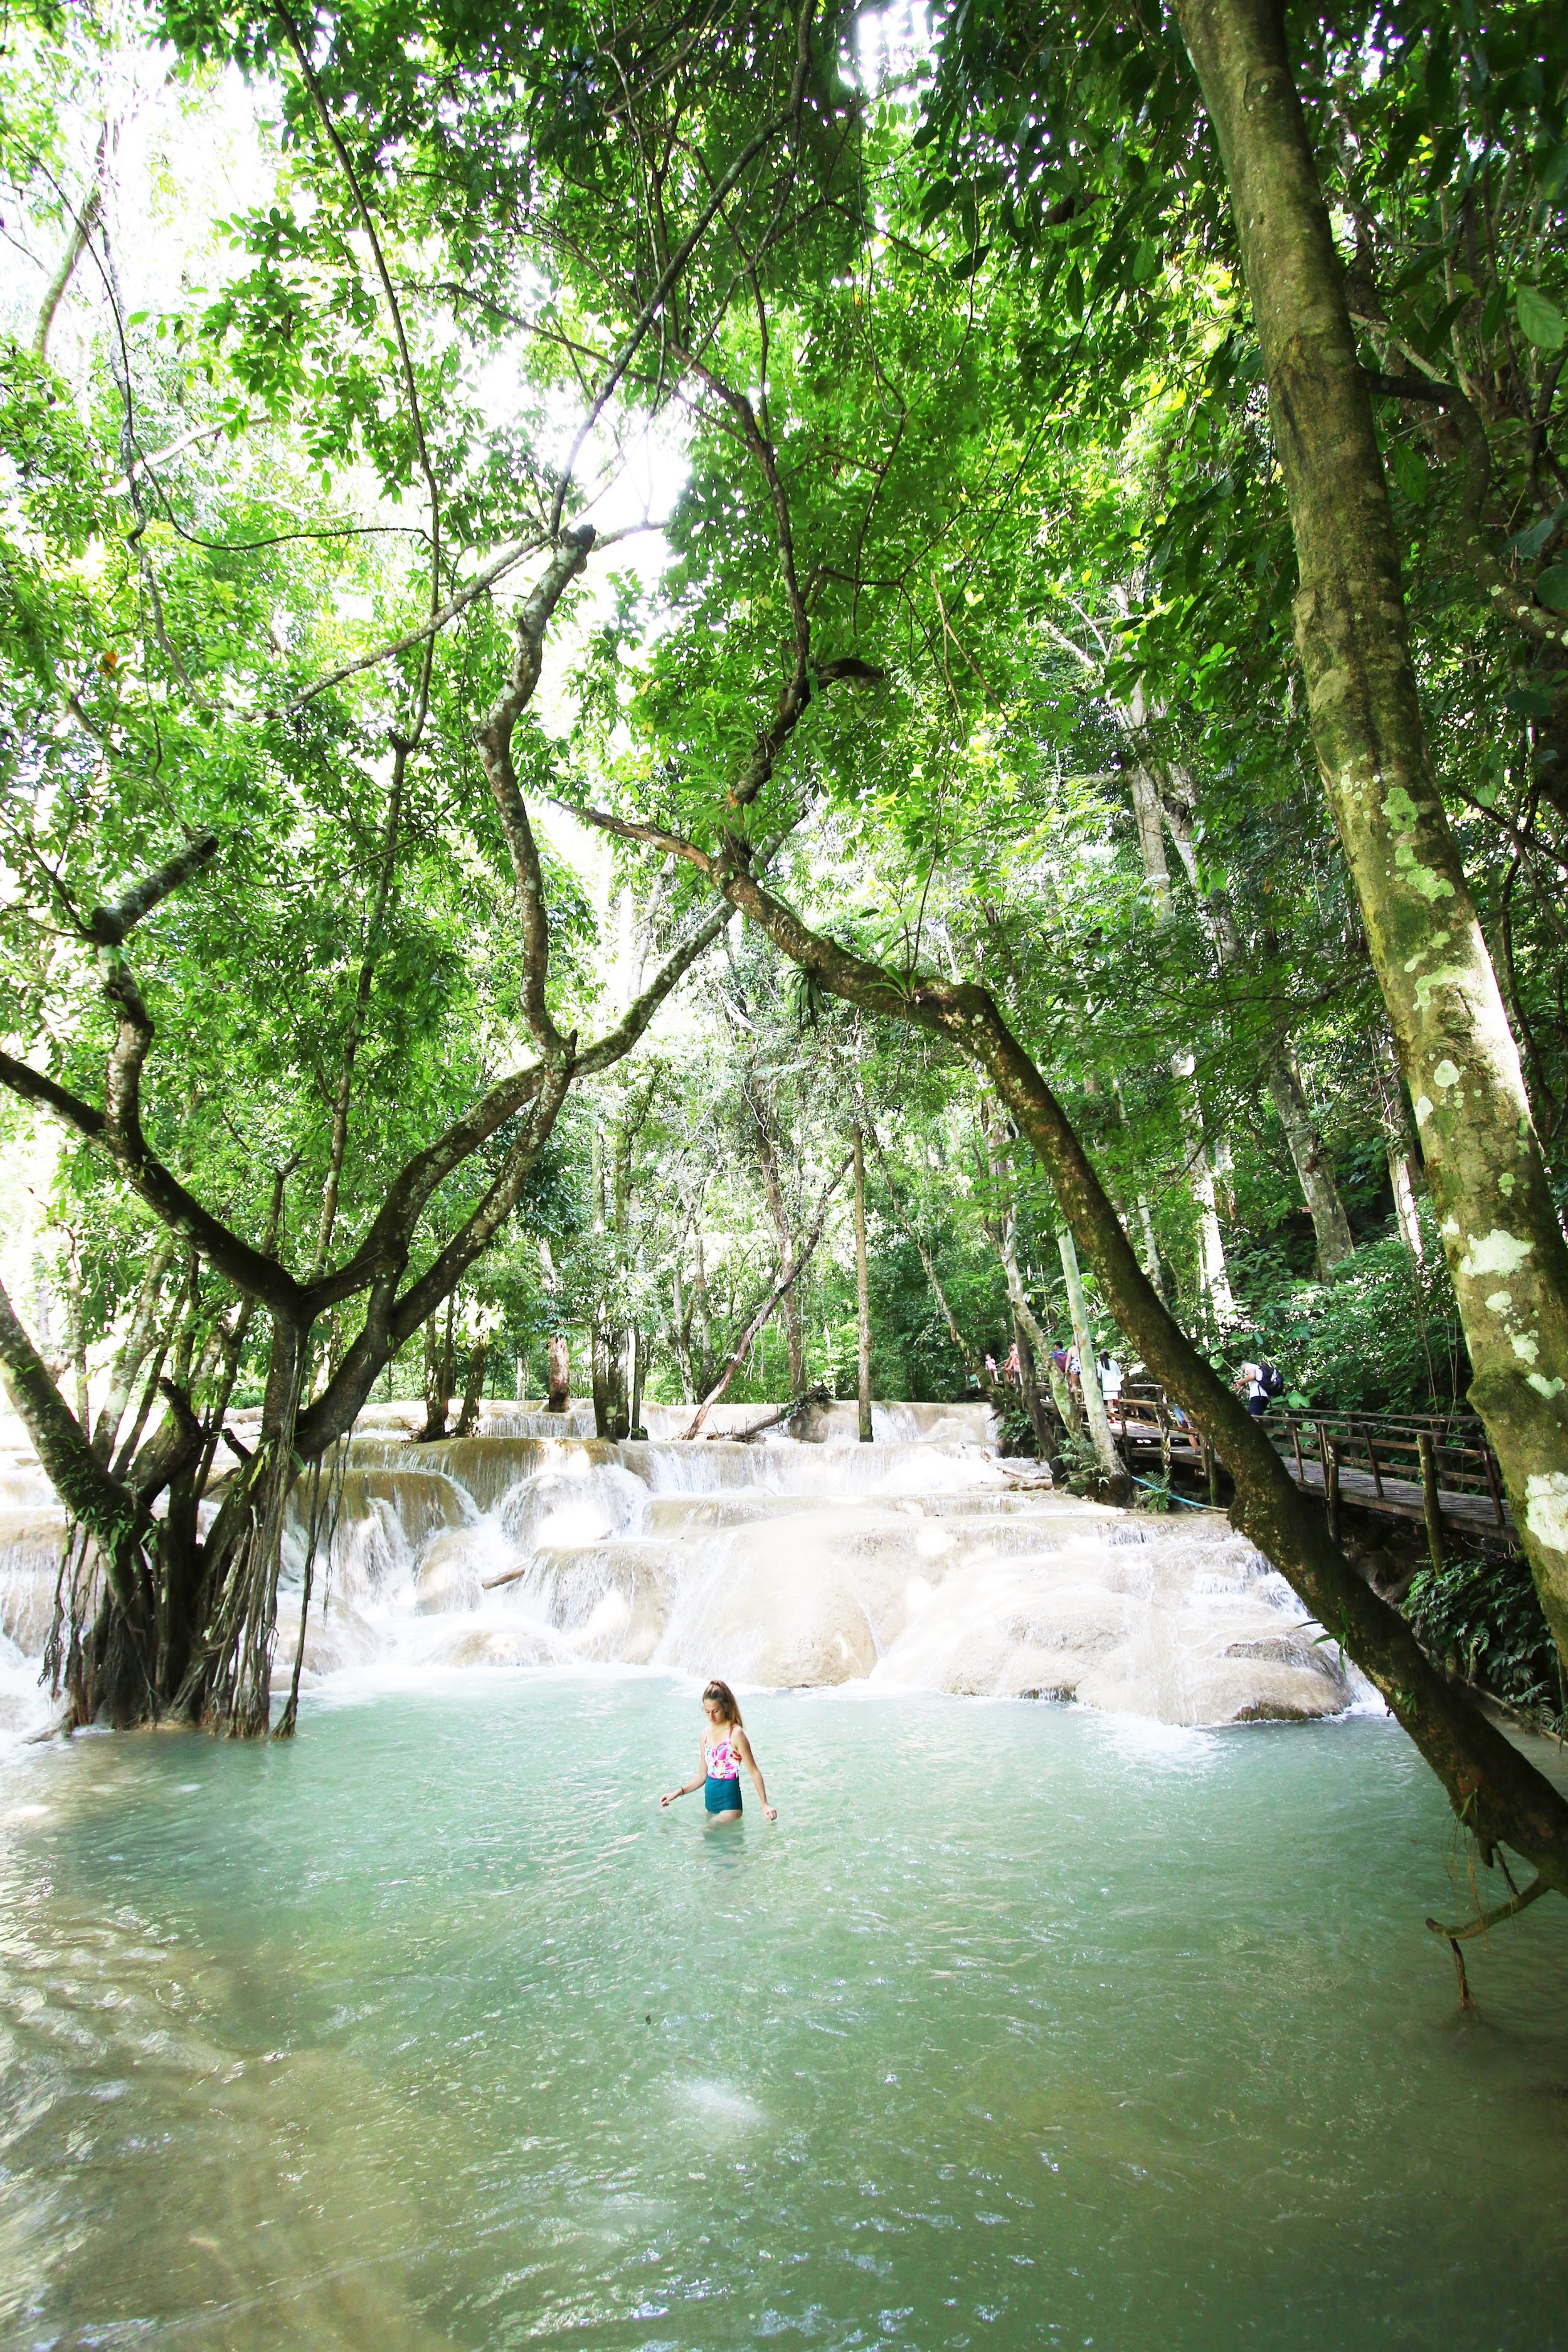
x=617 y=1043
x=789 y=1273
x=33 y=1086
x=675 y=268
x=1485 y=1919
x=495 y=741
x=517 y=552
x=107 y=926
x=81 y=228
x=118 y=1127
x=818 y=1395
x=248 y=1268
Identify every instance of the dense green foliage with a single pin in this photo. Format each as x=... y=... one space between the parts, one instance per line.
x=1482 y=1619
x=939 y=365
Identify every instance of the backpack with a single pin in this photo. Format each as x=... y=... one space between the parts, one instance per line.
x=1270 y=1380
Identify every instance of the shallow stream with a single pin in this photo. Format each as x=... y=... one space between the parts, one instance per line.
x=1025 y=2026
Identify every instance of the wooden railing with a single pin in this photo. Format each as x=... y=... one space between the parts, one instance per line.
x=1427 y=1465
x=1408 y=1447
x=1147 y=1421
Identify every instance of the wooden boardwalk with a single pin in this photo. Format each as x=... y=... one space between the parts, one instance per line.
x=1401 y=1498
x=1435 y=1469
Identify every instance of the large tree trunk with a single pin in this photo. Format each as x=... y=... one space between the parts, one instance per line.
x=639 y=1368
x=232 y=1603
x=1094 y=1410
x=1331 y=1226
x=1214 y=1275
x=702 y=1314
x=1398 y=1143
x=680 y=1339
x=1504 y=1246
x=139 y=1338
x=609 y=1381
x=440 y=1372
x=474 y=1387
x=1028 y=1383
x=862 y=1292
x=772 y=1185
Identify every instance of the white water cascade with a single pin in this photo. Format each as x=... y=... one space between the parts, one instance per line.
x=31 y=1538
x=922 y=1561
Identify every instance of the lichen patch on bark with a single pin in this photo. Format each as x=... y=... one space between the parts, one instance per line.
x=1499 y=1253
x=1547 y=1509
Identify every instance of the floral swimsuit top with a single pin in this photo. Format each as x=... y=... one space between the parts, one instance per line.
x=723 y=1760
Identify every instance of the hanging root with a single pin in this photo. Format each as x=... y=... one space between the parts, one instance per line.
x=1465 y=2000
x=1455 y=1936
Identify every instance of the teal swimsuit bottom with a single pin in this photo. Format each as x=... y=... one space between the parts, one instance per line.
x=721 y=1796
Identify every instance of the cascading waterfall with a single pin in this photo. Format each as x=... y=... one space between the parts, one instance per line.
x=32 y=1537
x=922 y=1561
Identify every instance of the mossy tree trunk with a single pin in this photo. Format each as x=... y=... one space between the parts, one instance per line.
x=1314 y=1170
x=1504 y=1246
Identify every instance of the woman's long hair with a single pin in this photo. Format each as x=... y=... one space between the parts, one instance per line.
x=719 y=1694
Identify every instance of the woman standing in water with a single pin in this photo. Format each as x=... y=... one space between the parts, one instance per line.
x=723 y=1748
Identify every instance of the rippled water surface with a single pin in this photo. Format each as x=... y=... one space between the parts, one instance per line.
x=1022 y=2028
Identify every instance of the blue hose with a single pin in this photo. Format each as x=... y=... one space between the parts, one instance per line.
x=1172 y=1497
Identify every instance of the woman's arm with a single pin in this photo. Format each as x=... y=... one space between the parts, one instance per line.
x=687 y=1786
x=755 y=1770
